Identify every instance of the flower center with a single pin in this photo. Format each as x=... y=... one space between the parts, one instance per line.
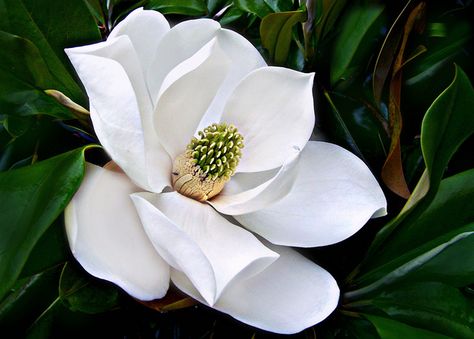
x=208 y=162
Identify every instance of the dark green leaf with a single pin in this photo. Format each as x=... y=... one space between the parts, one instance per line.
x=280 y=5
x=430 y=305
x=231 y=15
x=258 y=7
x=331 y=10
x=392 y=329
x=359 y=29
x=17 y=125
x=80 y=292
x=185 y=7
x=52 y=25
x=446 y=125
x=51 y=250
x=23 y=73
x=452 y=208
x=96 y=9
x=435 y=246
x=214 y=6
x=448 y=258
x=441 y=54
x=356 y=126
x=28 y=299
x=276 y=32
x=31 y=198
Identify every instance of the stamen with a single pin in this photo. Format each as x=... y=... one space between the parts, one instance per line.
x=209 y=161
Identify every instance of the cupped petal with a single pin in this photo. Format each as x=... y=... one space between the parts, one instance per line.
x=178 y=44
x=334 y=195
x=189 y=92
x=290 y=295
x=113 y=105
x=106 y=237
x=121 y=110
x=273 y=110
x=196 y=240
x=250 y=192
x=145 y=29
x=244 y=58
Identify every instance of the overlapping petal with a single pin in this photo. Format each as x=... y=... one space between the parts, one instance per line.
x=145 y=30
x=188 y=96
x=196 y=240
x=107 y=238
x=272 y=124
x=114 y=106
x=179 y=44
x=244 y=59
x=334 y=195
x=121 y=108
x=250 y=192
x=290 y=295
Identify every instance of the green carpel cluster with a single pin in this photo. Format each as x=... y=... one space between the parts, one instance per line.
x=217 y=150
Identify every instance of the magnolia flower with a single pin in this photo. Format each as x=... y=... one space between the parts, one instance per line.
x=215 y=158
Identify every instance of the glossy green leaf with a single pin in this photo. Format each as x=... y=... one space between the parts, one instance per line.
x=214 y=6
x=27 y=300
x=97 y=10
x=446 y=125
x=185 y=7
x=392 y=329
x=17 y=125
x=31 y=198
x=276 y=33
x=443 y=52
x=331 y=11
x=448 y=258
x=50 y=251
x=356 y=126
x=258 y=7
x=80 y=292
x=416 y=249
x=360 y=27
x=23 y=73
x=232 y=15
x=281 y=5
x=451 y=209
x=437 y=245
x=51 y=27
x=429 y=305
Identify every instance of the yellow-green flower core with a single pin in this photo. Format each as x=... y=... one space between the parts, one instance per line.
x=208 y=162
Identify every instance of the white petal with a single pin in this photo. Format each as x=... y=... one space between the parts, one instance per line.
x=244 y=59
x=290 y=295
x=119 y=100
x=273 y=110
x=106 y=236
x=184 y=102
x=145 y=30
x=114 y=110
x=179 y=44
x=334 y=195
x=250 y=192
x=195 y=239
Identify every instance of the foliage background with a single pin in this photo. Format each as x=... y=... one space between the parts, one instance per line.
x=393 y=86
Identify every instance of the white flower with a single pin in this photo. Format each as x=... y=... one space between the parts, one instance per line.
x=151 y=89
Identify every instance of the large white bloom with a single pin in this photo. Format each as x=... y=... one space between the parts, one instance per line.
x=151 y=89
